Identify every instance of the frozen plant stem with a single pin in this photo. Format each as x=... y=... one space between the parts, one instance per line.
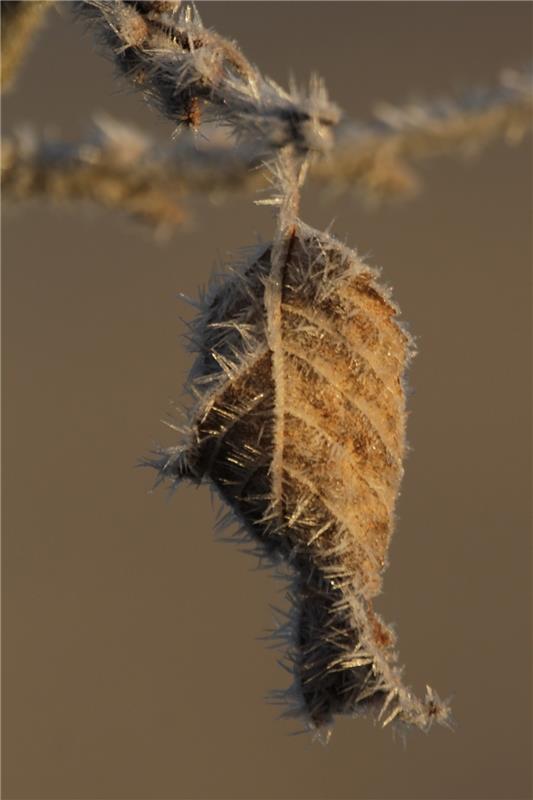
x=192 y=74
x=110 y=168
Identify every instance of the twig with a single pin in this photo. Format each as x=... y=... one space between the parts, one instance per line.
x=20 y=20
x=378 y=157
x=192 y=74
x=106 y=168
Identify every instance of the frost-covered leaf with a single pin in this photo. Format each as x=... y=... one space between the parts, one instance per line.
x=299 y=423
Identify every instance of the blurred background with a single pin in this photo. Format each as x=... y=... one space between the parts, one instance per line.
x=132 y=661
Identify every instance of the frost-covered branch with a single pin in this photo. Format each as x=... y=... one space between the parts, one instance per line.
x=107 y=168
x=379 y=157
x=192 y=74
x=20 y=20
x=119 y=167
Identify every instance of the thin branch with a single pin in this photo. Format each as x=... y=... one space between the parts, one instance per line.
x=379 y=157
x=20 y=20
x=119 y=167
x=192 y=74
x=107 y=168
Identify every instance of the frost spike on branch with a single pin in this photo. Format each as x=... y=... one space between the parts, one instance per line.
x=375 y=158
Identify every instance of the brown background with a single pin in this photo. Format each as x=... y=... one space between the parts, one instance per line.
x=132 y=667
